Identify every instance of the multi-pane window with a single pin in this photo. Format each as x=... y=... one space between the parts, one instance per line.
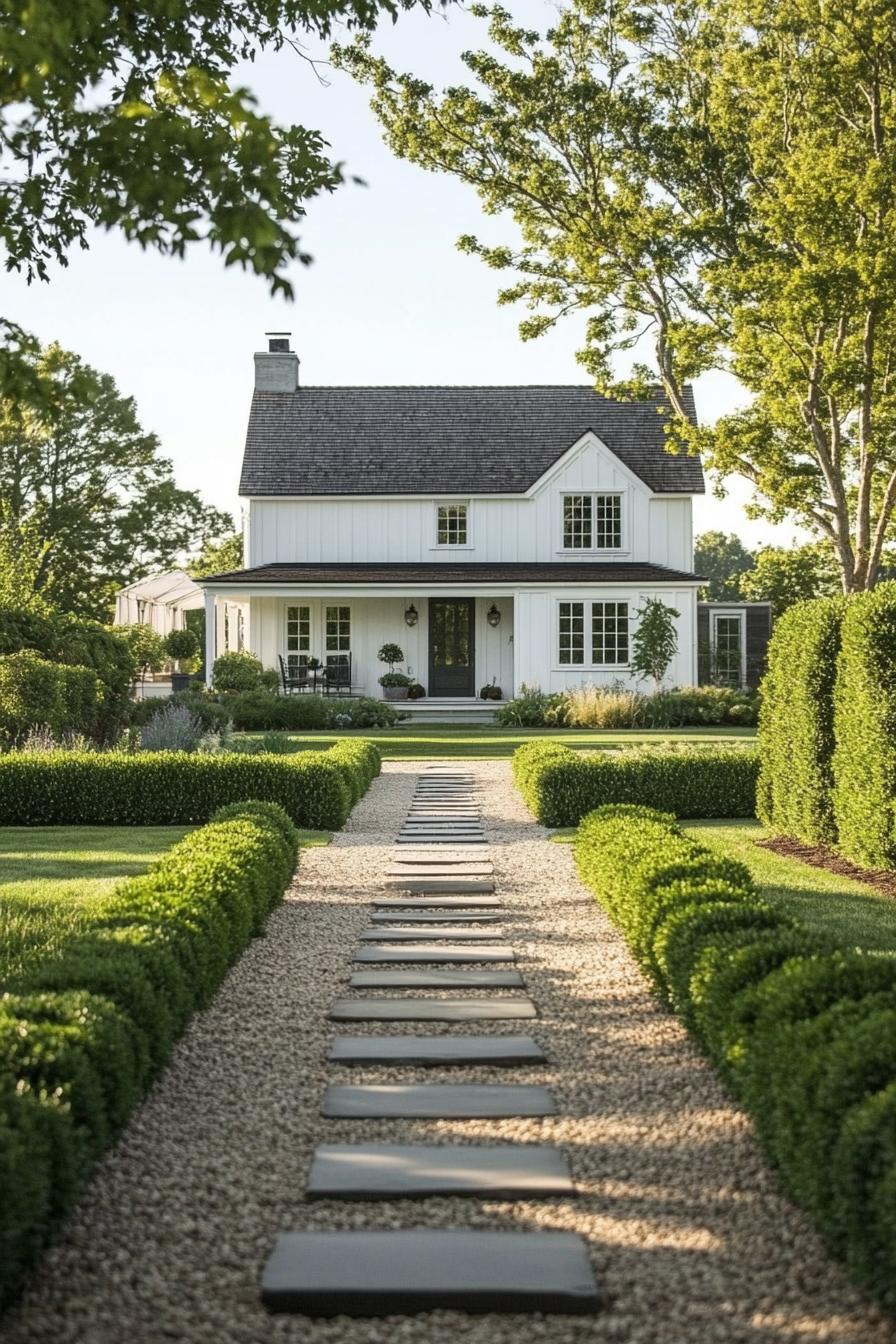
x=607 y=522
x=298 y=635
x=577 y=522
x=451 y=525
x=609 y=632
x=337 y=629
x=729 y=650
x=572 y=632
x=592 y=522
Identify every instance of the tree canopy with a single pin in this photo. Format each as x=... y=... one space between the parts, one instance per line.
x=218 y=556
x=715 y=182
x=784 y=576
x=721 y=558
x=85 y=495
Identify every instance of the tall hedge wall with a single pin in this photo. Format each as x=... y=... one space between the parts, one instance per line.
x=796 y=723
x=87 y=1025
x=864 y=792
x=803 y=1034
x=317 y=789
x=561 y=785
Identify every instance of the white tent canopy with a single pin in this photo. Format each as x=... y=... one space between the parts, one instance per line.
x=160 y=601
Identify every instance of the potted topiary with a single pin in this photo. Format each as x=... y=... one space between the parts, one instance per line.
x=182 y=646
x=395 y=684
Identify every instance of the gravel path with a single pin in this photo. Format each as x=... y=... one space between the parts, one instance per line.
x=690 y=1240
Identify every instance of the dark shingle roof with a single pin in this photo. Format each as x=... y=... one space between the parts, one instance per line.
x=446 y=440
x=595 y=571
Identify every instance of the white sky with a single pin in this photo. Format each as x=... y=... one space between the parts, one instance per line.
x=387 y=300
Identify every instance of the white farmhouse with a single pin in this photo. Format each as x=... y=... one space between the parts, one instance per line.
x=505 y=534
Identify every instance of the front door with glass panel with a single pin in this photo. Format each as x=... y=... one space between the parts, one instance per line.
x=451 y=647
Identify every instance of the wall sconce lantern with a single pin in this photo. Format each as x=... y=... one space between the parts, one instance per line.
x=410 y=615
x=493 y=616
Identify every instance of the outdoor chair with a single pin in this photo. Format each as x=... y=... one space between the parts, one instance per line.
x=293 y=678
x=338 y=675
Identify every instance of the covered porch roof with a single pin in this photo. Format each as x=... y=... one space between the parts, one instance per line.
x=441 y=575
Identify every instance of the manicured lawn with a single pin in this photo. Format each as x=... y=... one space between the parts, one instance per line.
x=52 y=877
x=486 y=742
x=856 y=915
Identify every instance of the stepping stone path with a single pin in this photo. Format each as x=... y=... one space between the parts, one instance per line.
x=446 y=887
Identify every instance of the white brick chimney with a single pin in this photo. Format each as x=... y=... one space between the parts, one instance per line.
x=277 y=368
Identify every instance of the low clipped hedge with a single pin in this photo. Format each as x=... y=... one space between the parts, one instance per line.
x=86 y=1027
x=864 y=767
x=796 y=722
x=561 y=785
x=803 y=1033
x=317 y=789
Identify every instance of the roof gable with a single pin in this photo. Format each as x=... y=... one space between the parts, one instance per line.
x=447 y=440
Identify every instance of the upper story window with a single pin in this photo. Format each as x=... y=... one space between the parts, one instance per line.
x=592 y=522
x=451 y=525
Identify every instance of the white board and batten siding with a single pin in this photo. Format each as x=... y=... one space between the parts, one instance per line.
x=527 y=528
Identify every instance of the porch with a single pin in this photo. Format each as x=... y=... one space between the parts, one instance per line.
x=452 y=644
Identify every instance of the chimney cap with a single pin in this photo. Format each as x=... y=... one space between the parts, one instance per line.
x=278 y=342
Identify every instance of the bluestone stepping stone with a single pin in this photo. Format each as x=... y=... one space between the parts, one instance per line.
x=428 y=857
x=420 y=1269
x=412 y=839
x=437 y=871
x=439 y=884
x=425 y=902
x=434 y=954
x=436 y=1101
x=432 y=1010
x=438 y=979
x=457 y=933
x=435 y=917
x=417 y=1170
x=433 y=1050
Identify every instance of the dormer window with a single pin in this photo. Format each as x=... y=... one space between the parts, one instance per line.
x=451 y=525
x=592 y=522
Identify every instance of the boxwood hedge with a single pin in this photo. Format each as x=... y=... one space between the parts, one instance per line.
x=561 y=785
x=796 y=722
x=864 y=793
x=86 y=1026
x=317 y=789
x=803 y=1033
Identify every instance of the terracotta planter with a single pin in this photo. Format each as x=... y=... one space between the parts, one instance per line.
x=395 y=692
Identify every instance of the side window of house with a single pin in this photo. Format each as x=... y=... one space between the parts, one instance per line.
x=592 y=522
x=609 y=631
x=337 y=633
x=729 y=649
x=298 y=635
x=451 y=525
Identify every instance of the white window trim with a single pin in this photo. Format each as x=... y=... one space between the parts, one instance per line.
x=586 y=665
x=741 y=616
x=448 y=545
x=284 y=626
x=334 y=653
x=625 y=506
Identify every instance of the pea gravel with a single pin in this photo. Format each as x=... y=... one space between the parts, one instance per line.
x=690 y=1239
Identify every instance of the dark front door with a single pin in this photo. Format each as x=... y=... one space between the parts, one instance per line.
x=451 y=646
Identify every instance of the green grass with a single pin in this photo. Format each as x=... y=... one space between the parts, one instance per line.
x=487 y=742
x=53 y=877
x=856 y=915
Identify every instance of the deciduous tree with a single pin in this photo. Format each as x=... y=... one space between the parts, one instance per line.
x=718 y=181
x=721 y=558
x=82 y=479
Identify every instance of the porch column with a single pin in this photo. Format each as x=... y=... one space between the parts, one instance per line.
x=210 y=635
